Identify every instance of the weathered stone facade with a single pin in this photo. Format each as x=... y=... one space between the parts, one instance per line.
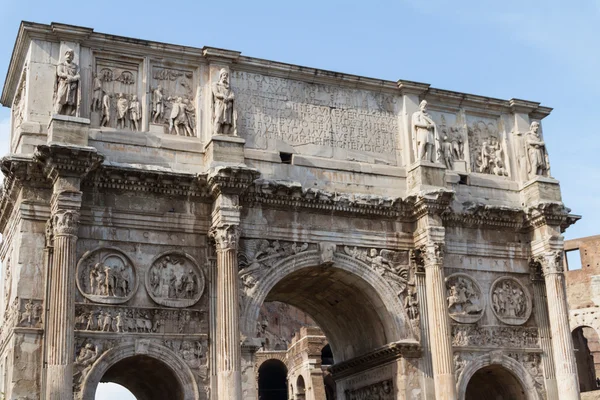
x=157 y=195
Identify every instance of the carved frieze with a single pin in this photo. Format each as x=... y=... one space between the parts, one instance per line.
x=494 y=336
x=465 y=300
x=172 y=101
x=116 y=91
x=30 y=313
x=510 y=301
x=392 y=265
x=175 y=280
x=107 y=275
x=18 y=107
x=257 y=256
x=487 y=147
x=89 y=317
x=383 y=390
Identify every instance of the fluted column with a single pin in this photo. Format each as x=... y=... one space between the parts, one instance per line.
x=212 y=299
x=424 y=330
x=562 y=343
x=439 y=323
x=543 y=323
x=228 y=346
x=61 y=304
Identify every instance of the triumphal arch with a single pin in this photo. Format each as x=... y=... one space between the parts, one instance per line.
x=156 y=195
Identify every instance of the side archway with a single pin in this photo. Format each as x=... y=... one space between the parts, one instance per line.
x=176 y=372
x=357 y=308
x=511 y=366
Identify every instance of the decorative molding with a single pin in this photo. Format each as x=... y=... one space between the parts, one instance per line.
x=62 y=160
x=510 y=301
x=226 y=236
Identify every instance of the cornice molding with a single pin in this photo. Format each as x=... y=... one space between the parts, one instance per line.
x=550 y=213
x=61 y=160
x=474 y=214
x=230 y=179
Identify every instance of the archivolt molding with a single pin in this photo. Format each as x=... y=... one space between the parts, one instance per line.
x=163 y=354
x=399 y=329
x=493 y=358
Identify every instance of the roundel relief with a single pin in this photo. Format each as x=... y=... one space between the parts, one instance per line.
x=175 y=280
x=510 y=300
x=106 y=275
x=464 y=299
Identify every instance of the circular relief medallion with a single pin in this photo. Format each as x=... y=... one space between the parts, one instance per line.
x=175 y=280
x=510 y=301
x=464 y=298
x=106 y=275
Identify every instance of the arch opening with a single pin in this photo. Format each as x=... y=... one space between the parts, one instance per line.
x=272 y=380
x=111 y=391
x=587 y=355
x=494 y=382
x=145 y=377
x=300 y=388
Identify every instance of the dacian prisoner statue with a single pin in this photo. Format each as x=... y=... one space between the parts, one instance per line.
x=424 y=133
x=66 y=92
x=536 y=152
x=224 y=112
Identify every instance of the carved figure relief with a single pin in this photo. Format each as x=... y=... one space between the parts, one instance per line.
x=7 y=285
x=533 y=364
x=510 y=301
x=138 y=320
x=194 y=353
x=411 y=304
x=115 y=96
x=392 y=265
x=425 y=134
x=175 y=280
x=258 y=256
x=537 y=157
x=30 y=313
x=383 y=390
x=464 y=298
x=66 y=87
x=494 y=336
x=106 y=275
x=173 y=111
x=18 y=107
x=455 y=137
x=224 y=114
x=487 y=147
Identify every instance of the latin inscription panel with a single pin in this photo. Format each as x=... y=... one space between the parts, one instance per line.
x=315 y=118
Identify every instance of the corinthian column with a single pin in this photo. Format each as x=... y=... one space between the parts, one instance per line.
x=61 y=300
x=439 y=323
x=424 y=330
x=562 y=343
x=228 y=346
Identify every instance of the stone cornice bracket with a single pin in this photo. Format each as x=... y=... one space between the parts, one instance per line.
x=230 y=180
x=551 y=213
x=226 y=236
x=72 y=161
x=410 y=87
x=519 y=106
x=65 y=222
x=479 y=214
x=220 y=55
x=434 y=203
x=70 y=32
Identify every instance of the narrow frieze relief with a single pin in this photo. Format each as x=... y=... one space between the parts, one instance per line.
x=494 y=336
x=465 y=300
x=18 y=107
x=383 y=390
x=95 y=318
x=175 y=280
x=258 y=256
x=107 y=275
x=510 y=300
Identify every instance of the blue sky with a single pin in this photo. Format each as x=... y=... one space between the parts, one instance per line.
x=540 y=50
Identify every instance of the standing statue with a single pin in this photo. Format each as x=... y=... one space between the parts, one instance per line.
x=97 y=97
x=224 y=118
x=135 y=113
x=157 y=104
x=179 y=118
x=105 y=110
x=424 y=133
x=66 y=88
x=447 y=153
x=122 y=108
x=537 y=156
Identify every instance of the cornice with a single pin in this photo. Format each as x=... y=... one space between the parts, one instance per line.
x=382 y=355
x=550 y=213
x=475 y=214
x=64 y=160
x=230 y=179
x=433 y=202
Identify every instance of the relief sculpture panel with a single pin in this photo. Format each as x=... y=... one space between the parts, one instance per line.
x=383 y=390
x=510 y=301
x=106 y=275
x=452 y=140
x=175 y=280
x=315 y=118
x=487 y=146
x=465 y=300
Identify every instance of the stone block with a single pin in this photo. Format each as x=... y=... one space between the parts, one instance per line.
x=68 y=130
x=222 y=148
x=540 y=189
x=423 y=175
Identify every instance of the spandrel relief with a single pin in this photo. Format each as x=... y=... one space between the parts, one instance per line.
x=487 y=146
x=116 y=94
x=175 y=280
x=172 y=101
x=465 y=301
x=510 y=301
x=106 y=275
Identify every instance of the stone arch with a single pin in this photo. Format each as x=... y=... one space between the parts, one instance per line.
x=589 y=318
x=585 y=353
x=162 y=354
x=510 y=364
x=272 y=379
x=390 y=313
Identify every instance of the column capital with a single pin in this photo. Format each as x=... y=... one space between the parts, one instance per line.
x=226 y=236
x=65 y=222
x=428 y=255
x=551 y=262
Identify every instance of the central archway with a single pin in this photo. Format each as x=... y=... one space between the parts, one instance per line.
x=357 y=308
